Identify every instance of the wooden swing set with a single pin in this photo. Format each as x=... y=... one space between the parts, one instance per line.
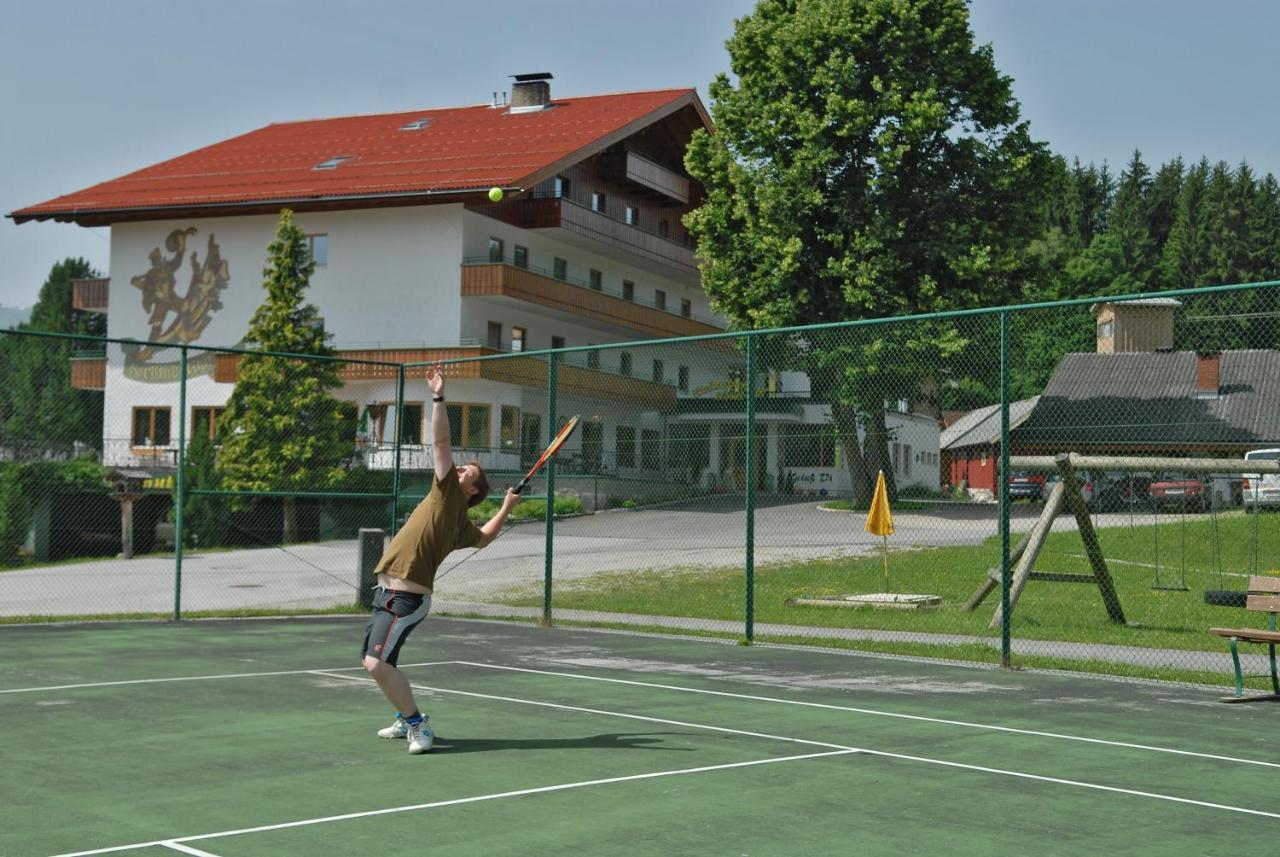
x=1067 y=492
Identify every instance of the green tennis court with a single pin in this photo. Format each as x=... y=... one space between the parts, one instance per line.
x=257 y=738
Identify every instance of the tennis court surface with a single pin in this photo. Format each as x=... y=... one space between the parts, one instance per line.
x=257 y=738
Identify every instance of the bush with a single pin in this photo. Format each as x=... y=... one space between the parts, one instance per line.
x=565 y=505
x=24 y=486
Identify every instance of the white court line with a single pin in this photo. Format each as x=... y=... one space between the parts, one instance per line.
x=917 y=717
x=454 y=802
x=834 y=750
x=197 y=678
x=187 y=849
x=862 y=750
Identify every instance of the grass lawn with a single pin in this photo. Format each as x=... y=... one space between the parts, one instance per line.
x=1158 y=618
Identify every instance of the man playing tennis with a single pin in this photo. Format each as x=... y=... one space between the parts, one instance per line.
x=407 y=570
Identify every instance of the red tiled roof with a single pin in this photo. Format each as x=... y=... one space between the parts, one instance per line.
x=462 y=149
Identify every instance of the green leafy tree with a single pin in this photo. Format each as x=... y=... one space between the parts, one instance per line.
x=283 y=429
x=38 y=406
x=868 y=161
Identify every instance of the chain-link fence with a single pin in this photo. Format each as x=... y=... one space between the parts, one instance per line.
x=718 y=484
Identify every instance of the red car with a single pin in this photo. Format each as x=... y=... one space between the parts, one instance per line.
x=1180 y=492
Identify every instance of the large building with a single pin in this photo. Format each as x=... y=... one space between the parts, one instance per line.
x=415 y=263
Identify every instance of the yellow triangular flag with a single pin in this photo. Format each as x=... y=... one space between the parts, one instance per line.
x=880 y=519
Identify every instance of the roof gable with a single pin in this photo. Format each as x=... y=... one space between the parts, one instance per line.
x=1149 y=399
x=459 y=151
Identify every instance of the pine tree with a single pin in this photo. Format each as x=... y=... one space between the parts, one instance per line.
x=283 y=430
x=38 y=407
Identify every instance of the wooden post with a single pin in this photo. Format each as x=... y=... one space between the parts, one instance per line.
x=1090 y=537
x=126 y=525
x=1035 y=541
x=993 y=575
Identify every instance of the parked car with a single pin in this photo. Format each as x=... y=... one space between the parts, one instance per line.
x=1089 y=485
x=1189 y=491
x=1026 y=485
x=1261 y=489
x=1122 y=492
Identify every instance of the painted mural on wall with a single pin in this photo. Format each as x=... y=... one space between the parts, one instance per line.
x=177 y=319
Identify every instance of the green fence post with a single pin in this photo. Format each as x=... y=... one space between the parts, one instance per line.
x=180 y=489
x=1003 y=476
x=552 y=430
x=395 y=477
x=751 y=488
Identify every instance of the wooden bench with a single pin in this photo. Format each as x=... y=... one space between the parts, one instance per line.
x=1264 y=596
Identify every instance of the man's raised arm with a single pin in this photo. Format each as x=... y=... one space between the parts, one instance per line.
x=441 y=451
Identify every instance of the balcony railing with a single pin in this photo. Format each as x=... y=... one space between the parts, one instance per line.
x=549 y=211
x=489 y=275
x=91 y=294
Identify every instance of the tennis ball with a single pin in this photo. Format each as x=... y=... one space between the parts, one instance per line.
x=495 y=194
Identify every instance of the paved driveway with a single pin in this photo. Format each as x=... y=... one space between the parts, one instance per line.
x=325 y=574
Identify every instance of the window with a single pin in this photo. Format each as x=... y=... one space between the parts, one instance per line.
x=628 y=290
x=531 y=440
x=561 y=186
x=1107 y=329
x=624 y=364
x=592 y=445
x=906 y=459
x=650 y=450
x=495 y=335
x=204 y=421
x=411 y=429
x=318 y=249
x=808 y=446
x=521 y=257
x=509 y=428
x=495 y=249
x=593 y=359
x=632 y=215
x=150 y=426
x=331 y=163
x=561 y=271
x=897 y=458
x=659 y=299
x=599 y=202
x=657 y=371
x=468 y=425
x=626 y=446
x=517 y=338
x=596 y=280
x=664 y=228
x=557 y=342
x=686 y=307
x=683 y=378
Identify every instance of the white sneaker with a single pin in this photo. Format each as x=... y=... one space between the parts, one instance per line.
x=420 y=737
x=399 y=729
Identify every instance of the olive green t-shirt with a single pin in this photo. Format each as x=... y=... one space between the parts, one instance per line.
x=436 y=528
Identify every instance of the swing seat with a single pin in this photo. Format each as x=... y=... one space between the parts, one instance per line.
x=1226 y=597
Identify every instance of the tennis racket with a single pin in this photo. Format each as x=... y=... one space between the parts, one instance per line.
x=550 y=453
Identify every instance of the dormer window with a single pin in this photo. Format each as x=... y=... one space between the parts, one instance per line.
x=332 y=163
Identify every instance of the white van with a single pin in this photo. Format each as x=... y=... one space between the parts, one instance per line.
x=1264 y=489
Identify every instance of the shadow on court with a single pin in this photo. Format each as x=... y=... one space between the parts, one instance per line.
x=603 y=741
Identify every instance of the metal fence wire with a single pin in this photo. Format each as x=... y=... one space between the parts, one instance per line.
x=1086 y=484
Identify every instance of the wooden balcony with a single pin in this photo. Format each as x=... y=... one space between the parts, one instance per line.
x=89 y=372
x=500 y=279
x=651 y=178
x=90 y=295
x=525 y=371
x=580 y=225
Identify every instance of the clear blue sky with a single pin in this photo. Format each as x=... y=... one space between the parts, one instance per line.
x=92 y=90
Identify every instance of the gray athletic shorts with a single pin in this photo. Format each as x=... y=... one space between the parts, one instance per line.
x=395 y=614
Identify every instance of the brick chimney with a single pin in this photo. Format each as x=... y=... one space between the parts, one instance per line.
x=530 y=92
x=1207 y=375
